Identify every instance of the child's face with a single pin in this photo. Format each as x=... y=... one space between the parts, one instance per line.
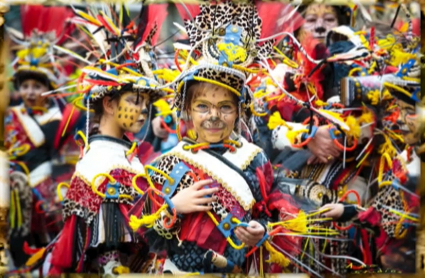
x=214 y=112
x=30 y=91
x=408 y=122
x=131 y=111
x=319 y=20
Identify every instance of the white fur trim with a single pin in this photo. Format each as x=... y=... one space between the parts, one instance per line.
x=104 y=156
x=32 y=129
x=39 y=174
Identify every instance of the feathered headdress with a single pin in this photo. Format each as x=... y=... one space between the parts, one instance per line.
x=224 y=40
x=38 y=38
x=123 y=47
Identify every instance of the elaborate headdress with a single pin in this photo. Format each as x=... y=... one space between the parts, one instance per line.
x=224 y=43
x=38 y=38
x=121 y=48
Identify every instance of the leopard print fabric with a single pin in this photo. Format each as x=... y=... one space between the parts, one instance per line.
x=389 y=197
x=166 y=165
x=212 y=22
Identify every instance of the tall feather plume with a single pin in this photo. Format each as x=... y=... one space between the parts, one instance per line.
x=151 y=18
x=187 y=11
x=278 y=17
x=54 y=20
x=89 y=23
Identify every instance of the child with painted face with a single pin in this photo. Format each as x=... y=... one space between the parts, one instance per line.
x=101 y=190
x=214 y=182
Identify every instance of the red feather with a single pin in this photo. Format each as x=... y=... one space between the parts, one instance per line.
x=30 y=251
x=193 y=9
x=45 y=20
x=73 y=118
x=310 y=46
x=156 y=14
x=273 y=19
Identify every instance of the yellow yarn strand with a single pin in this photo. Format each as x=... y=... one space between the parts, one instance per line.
x=233 y=90
x=255 y=112
x=146 y=220
x=133 y=182
x=285 y=59
x=398 y=88
x=58 y=190
x=93 y=183
x=131 y=150
x=12 y=209
x=149 y=167
x=404 y=215
x=261 y=262
x=67 y=121
x=18 y=209
x=25 y=168
x=229 y=240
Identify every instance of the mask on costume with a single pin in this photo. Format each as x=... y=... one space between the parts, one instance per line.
x=213 y=111
x=408 y=122
x=319 y=20
x=131 y=112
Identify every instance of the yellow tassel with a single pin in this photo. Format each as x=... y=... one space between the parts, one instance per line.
x=36 y=257
x=146 y=220
x=275 y=256
x=276 y=120
x=121 y=270
x=366 y=117
x=354 y=126
x=373 y=96
x=298 y=224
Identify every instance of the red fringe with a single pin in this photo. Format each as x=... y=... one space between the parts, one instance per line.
x=62 y=254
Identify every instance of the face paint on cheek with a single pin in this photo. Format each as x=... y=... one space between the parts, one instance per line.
x=127 y=115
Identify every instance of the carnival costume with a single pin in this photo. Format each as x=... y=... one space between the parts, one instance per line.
x=198 y=242
x=96 y=236
x=369 y=135
x=35 y=135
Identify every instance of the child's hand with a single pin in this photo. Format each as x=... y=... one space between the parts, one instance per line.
x=334 y=211
x=251 y=235
x=192 y=199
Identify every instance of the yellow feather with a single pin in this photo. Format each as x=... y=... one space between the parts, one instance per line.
x=354 y=127
x=88 y=17
x=121 y=270
x=36 y=257
x=163 y=106
x=276 y=120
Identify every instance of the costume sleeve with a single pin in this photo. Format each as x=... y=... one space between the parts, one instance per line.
x=260 y=175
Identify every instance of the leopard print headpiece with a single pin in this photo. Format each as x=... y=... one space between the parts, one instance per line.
x=223 y=38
